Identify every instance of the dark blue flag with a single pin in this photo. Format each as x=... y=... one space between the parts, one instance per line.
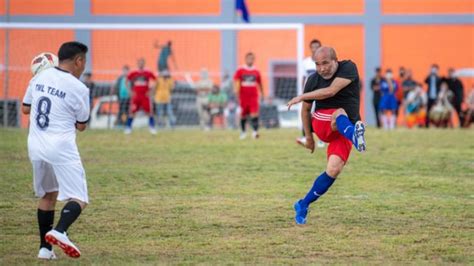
x=242 y=6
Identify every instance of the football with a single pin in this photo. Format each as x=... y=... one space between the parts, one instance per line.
x=43 y=61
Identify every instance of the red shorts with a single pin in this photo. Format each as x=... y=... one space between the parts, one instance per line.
x=140 y=102
x=338 y=144
x=249 y=105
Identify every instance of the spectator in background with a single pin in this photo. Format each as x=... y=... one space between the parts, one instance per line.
x=402 y=73
x=203 y=87
x=309 y=67
x=122 y=89
x=217 y=101
x=440 y=112
x=433 y=82
x=455 y=85
x=468 y=116
x=408 y=83
x=377 y=94
x=388 y=102
x=399 y=94
x=230 y=111
x=164 y=86
x=165 y=53
x=415 y=104
x=87 y=80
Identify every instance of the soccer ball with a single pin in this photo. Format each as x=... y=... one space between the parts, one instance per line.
x=43 y=61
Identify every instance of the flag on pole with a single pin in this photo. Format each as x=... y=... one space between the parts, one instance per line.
x=241 y=6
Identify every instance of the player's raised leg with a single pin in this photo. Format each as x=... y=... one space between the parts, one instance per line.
x=320 y=186
x=353 y=132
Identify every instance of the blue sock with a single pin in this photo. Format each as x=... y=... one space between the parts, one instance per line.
x=151 y=122
x=345 y=127
x=320 y=186
x=129 y=122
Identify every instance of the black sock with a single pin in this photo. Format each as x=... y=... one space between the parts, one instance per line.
x=254 y=122
x=69 y=214
x=45 y=222
x=242 y=124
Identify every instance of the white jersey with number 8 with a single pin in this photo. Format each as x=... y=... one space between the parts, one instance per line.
x=58 y=101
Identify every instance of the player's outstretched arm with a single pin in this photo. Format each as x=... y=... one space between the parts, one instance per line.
x=321 y=94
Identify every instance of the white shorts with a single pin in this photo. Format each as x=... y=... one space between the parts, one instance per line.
x=69 y=180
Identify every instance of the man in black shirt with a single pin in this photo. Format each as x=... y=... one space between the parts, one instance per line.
x=336 y=119
x=455 y=85
x=375 y=85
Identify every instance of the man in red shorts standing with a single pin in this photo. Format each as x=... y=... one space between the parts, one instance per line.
x=248 y=86
x=140 y=83
x=336 y=119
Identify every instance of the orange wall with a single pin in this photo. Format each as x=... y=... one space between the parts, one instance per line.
x=24 y=45
x=305 y=7
x=427 y=6
x=446 y=45
x=2 y=7
x=156 y=7
x=278 y=45
x=192 y=50
x=43 y=7
x=347 y=40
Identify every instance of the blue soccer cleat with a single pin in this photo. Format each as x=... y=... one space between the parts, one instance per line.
x=301 y=212
x=358 y=137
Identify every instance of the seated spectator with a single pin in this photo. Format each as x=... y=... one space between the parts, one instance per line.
x=217 y=101
x=415 y=104
x=440 y=113
x=230 y=112
x=468 y=115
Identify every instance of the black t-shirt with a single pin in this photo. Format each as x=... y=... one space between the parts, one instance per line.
x=347 y=98
x=376 y=82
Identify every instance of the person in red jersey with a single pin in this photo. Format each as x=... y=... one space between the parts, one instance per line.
x=140 y=81
x=248 y=85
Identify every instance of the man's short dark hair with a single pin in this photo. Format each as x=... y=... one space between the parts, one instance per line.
x=249 y=54
x=314 y=41
x=378 y=69
x=69 y=50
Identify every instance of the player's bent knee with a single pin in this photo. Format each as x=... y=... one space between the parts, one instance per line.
x=333 y=171
x=334 y=166
x=81 y=203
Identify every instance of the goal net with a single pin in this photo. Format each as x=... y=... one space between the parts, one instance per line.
x=199 y=54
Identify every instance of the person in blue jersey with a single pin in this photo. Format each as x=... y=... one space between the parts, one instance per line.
x=388 y=102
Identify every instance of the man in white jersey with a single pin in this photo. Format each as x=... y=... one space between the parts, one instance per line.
x=309 y=67
x=58 y=105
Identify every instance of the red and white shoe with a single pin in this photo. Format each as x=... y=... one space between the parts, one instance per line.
x=46 y=254
x=255 y=135
x=301 y=141
x=60 y=239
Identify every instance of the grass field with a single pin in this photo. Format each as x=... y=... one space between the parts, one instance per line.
x=188 y=197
